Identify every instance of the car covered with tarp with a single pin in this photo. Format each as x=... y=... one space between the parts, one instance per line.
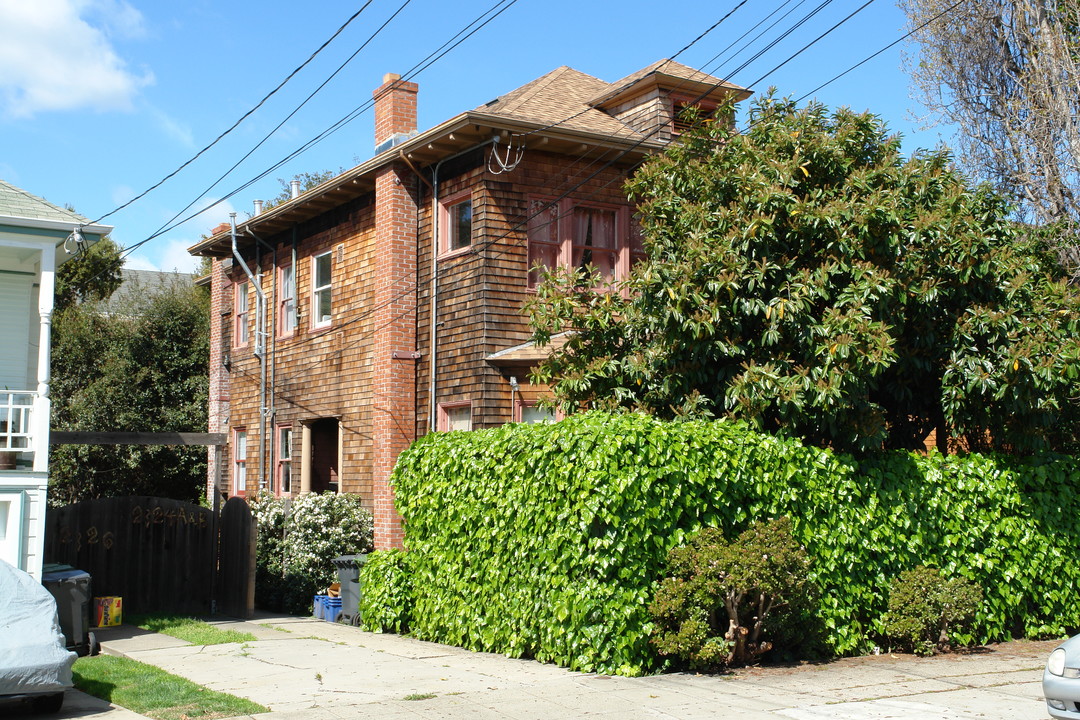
x=34 y=662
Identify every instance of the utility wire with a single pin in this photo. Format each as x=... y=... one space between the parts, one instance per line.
x=441 y=52
x=242 y=117
x=286 y=118
x=411 y=287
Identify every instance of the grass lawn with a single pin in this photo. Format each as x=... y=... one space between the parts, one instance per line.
x=155 y=693
x=193 y=631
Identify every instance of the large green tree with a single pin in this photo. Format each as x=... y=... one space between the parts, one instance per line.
x=805 y=277
x=136 y=365
x=94 y=274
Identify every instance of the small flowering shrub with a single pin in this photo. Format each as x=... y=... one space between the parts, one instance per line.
x=298 y=540
x=721 y=597
x=924 y=606
x=386 y=598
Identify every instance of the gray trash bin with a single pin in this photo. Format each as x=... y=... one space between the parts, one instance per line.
x=348 y=568
x=71 y=589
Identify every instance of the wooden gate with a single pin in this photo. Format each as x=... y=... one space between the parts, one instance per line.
x=159 y=555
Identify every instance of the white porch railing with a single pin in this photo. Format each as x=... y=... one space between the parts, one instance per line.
x=17 y=433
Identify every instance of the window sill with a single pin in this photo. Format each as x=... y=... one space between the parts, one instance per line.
x=451 y=254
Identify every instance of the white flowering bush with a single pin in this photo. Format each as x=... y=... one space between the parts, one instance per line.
x=298 y=541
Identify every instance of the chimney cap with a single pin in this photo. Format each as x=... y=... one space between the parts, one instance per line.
x=390 y=77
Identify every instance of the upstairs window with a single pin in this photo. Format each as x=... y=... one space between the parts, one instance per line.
x=455 y=223
x=242 y=304
x=594 y=242
x=287 y=300
x=321 y=287
x=577 y=235
x=685 y=114
x=544 y=245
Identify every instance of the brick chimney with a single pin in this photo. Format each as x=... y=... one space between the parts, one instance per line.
x=395 y=109
x=394 y=283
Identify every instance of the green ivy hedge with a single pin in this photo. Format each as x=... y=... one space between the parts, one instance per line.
x=547 y=540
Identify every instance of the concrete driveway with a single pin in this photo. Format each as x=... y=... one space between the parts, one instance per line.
x=311 y=670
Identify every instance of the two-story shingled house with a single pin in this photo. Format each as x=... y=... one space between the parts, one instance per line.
x=386 y=303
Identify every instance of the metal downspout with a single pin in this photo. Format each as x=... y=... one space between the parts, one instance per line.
x=432 y=420
x=260 y=350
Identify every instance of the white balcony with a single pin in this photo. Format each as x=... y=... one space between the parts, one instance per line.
x=20 y=438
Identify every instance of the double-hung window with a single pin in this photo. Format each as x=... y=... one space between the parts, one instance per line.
x=239 y=461
x=284 y=459
x=241 y=307
x=580 y=235
x=321 y=289
x=455 y=223
x=593 y=241
x=287 y=300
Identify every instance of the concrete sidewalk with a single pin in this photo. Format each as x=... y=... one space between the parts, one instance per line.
x=305 y=668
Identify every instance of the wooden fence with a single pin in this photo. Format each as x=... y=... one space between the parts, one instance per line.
x=159 y=555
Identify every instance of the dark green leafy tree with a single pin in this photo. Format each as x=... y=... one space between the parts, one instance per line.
x=93 y=275
x=806 y=278
x=142 y=367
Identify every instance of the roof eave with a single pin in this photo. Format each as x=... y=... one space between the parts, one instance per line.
x=458 y=134
x=61 y=225
x=674 y=83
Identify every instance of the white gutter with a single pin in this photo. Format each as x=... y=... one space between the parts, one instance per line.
x=63 y=225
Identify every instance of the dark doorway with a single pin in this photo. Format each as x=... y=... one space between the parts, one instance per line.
x=324 y=455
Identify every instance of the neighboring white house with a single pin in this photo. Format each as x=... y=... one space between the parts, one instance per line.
x=35 y=237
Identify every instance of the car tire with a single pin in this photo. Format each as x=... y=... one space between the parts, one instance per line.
x=93 y=646
x=49 y=704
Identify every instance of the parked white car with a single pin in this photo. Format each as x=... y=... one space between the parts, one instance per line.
x=34 y=663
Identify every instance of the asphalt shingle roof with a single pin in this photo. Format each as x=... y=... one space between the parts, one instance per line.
x=560 y=97
x=16 y=202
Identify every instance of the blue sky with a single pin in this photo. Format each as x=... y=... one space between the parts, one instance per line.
x=101 y=99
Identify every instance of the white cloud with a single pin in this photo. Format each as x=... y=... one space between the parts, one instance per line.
x=174 y=128
x=52 y=58
x=174 y=256
x=135 y=261
x=121 y=194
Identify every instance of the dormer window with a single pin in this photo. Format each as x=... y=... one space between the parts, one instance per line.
x=684 y=115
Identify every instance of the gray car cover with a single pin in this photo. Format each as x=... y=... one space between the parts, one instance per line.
x=33 y=658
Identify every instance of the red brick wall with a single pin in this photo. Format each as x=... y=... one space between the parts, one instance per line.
x=394 y=341
x=395 y=107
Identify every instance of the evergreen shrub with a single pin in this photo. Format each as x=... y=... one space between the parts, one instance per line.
x=297 y=542
x=924 y=606
x=548 y=540
x=386 y=592
x=722 y=600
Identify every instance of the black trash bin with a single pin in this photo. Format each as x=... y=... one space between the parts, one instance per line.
x=348 y=568
x=71 y=589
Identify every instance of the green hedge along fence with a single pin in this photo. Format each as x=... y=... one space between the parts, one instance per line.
x=546 y=541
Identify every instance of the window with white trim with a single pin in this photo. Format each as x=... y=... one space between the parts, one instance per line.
x=239 y=461
x=530 y=413
x=284 y=459
x=321 y=289
x=287 y=300
x=455 y=416
x=241 y=308
x=455 y=223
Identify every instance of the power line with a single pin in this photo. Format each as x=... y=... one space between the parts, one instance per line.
x=242 y=117
x=442 y=51
x=520 y=224
x=286 y=118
